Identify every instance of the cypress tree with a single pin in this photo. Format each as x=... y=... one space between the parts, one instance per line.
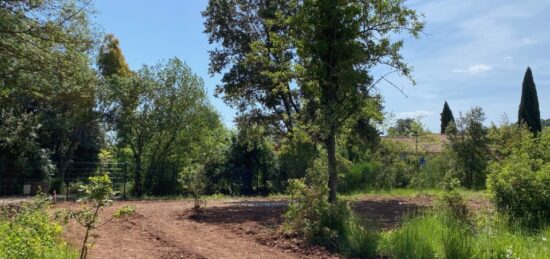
x=446 y=117
x=529 y=112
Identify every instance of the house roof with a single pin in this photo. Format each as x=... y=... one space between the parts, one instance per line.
x=431 y=143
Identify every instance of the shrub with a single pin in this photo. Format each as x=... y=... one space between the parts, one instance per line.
x=433 y=172
x=193 y=182
x=520 y=183
x=330 y=225
x=359 y=177
x=125 y=211
x=97 y=194
x=521 y=193
x=28 y=233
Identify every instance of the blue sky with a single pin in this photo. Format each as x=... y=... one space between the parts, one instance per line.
x=473 y=53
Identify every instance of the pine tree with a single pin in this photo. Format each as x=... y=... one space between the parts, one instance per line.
x=529 y=112
x=446 y=117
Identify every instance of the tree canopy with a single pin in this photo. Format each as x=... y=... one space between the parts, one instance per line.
x=305 y=64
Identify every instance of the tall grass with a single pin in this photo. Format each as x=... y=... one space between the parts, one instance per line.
x=437 y=235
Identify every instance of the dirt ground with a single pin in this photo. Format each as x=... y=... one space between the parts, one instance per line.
x=228 y=228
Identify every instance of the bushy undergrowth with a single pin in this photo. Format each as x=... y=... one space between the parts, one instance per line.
x=331 y=225
x=27 y=232
x=520 y=182
x=360 y=176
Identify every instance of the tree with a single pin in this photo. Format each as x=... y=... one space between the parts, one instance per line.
x=402 y=127
x=469 y=147
x=446 y=117
x=529 y=112
x=545 y=123
x=304 y=65
x=44 y=70
x=110 y=59
x=161 y=115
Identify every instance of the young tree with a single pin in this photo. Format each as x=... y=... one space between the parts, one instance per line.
x=469 y=147
x=529 y=112
x=446 y=117
x=305 y=64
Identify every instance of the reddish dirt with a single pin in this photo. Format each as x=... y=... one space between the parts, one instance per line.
x=236 y=228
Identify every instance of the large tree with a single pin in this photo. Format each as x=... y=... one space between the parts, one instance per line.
x=45 y=70
x=446 y=117
x=305 y=64
x=529 y=112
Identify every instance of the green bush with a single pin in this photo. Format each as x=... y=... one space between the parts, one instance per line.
x=27 y=232
x=433 y=172
x=520 y=183
x=521 y=193
x=331 y=225
x=360 y=177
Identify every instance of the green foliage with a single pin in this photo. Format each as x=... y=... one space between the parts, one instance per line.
x=28 y=232
x=468 y=148
x=520 y=182
x=361 y=176
x=332 y=225
x=193 y=182
x=407 y=127
x=110 y=59
x=440 y=234
x=164 y=123
x=397 y=165
x=432 y=174
x=125 y=211
x=529 y=112
x=296 y=155
x=252 y=163
x=412 y=240
x=97 y=193
x=446 y=118
x=44 y=64
x=260 y=63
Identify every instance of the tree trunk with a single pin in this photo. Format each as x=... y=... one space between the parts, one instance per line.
x=137 y=174
x=332 y=173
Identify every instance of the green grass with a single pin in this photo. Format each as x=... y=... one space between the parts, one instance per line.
x=412 y=192
x=436 y=235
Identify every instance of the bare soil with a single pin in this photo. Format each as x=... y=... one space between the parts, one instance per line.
x=228 y=228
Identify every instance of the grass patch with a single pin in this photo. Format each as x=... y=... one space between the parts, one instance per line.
x=412 y=192
x=436 y=235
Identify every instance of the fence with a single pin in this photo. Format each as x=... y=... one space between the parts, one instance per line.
x=14 y=182
x=81 y=171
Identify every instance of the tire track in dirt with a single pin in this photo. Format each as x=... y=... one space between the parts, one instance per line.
x=158 y=231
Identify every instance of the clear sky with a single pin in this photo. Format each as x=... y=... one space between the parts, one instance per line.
x=473 y=53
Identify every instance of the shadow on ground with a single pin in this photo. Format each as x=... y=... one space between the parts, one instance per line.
x=380 y=214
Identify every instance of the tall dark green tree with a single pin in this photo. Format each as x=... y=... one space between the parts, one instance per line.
x=529 y=112
x=446 y=117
